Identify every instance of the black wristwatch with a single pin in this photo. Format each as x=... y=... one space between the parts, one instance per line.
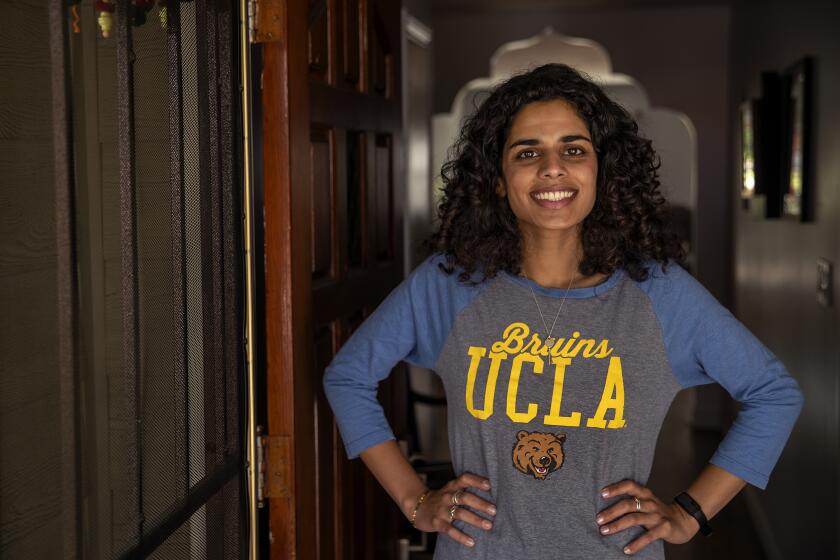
x=688 y=504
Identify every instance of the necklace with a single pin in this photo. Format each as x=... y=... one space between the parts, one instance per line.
x=549 y=340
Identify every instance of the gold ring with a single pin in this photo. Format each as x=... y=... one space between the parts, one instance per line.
x=456 y=496
x=638 y=504
x=452 y=513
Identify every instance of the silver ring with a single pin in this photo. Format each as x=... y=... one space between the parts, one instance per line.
x=452 y=513
x=638 y=504
x=456 y=496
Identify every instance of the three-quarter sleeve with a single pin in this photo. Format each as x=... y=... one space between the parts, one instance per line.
x=410 y=325
x=705 y=343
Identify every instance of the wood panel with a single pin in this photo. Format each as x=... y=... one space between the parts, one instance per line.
x=383 y=197
x=332 y=205
x=325 y=474
x=318 y=39
x=380 y=55
x=288 y=332
x=355 y=217
x=348 y=41
x=322 y=189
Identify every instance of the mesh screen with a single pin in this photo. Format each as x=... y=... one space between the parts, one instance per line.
x=157 y=440
x=162 y=384
x=206 y=534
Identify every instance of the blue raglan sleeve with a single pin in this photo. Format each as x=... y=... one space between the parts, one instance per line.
x=705 y=343
x=409 y=325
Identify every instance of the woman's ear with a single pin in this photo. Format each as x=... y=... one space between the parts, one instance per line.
x=500 y=189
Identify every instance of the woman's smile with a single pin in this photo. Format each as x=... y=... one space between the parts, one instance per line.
x=554 y=197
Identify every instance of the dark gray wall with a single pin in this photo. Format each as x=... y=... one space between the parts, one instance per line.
x=775 y=273
x=420 y=9
x=681 y=57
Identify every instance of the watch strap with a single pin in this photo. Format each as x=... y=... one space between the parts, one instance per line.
x=693 y=509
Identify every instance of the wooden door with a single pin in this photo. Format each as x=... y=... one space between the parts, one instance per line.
x=332 y=176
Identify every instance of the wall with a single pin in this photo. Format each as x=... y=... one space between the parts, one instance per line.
x=681 y=59
x=775 y=273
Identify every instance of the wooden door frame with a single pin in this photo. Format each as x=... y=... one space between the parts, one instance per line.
x=288 y=282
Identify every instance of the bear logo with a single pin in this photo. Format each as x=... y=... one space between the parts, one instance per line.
x=538 y=454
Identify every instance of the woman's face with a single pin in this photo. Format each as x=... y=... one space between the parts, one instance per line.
x=549 y=168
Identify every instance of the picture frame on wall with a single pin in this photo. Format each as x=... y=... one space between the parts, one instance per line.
x=747 y=113
x=760 y=146
x=796 y=184
x=751 y=189
x=769 y=134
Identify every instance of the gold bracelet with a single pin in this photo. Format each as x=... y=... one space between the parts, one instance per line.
x=419 y=501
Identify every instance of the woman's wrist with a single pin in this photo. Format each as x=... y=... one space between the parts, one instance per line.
x=413 y=512
x=686 y=522
x=410 y=502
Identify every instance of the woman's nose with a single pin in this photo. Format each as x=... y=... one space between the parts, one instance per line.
x=552 y=166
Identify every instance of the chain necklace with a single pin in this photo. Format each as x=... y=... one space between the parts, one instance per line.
x=550 y=340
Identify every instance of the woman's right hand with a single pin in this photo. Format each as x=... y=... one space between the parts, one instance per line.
x=433 y=513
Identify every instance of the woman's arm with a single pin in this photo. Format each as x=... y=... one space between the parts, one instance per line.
x=396 y=475
x=712 y=490
x=705 y=343
x=411 y=324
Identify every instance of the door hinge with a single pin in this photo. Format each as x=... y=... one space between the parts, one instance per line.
x=265 y=20
x=274 y=455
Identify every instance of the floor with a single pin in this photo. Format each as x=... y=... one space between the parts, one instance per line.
x=680 y=444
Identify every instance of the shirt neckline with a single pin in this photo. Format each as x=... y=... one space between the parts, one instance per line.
x=574 y=293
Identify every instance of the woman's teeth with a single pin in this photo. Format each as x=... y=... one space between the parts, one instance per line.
x=554 y=195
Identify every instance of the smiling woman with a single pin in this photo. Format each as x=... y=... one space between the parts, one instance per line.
x=556 y=311
x=545 y=132
x=549 y=171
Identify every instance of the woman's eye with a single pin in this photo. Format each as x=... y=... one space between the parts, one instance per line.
x=525 y=154
x=574 y=151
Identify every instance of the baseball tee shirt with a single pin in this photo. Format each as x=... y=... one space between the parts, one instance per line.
x=550 y=425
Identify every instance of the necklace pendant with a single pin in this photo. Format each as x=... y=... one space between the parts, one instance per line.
x=549 y=342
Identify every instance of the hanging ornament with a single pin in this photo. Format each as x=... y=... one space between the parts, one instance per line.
x=74 y=12
x=164 y=19
x=106 y=16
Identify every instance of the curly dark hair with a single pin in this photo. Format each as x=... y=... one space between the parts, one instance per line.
x=478 y=231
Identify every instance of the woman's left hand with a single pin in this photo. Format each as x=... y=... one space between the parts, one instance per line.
x=668 y=522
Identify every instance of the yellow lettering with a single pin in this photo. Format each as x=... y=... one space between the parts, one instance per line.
x=612 y=397
x=558 y=345
x=588 y=342
x=514 y=338
x=476 y=353
x=553 y=418
x=513 y=387
x=569 y=343
x=602 y=351
x=533 y=345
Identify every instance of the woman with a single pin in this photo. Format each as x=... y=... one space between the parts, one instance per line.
x=556 y=312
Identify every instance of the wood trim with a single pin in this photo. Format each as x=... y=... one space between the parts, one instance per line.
x=287 y=260
x=367 y=113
